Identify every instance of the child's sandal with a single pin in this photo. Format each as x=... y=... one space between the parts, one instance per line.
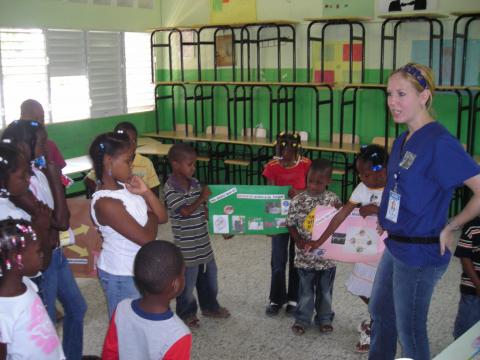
x=192 y=322
x=326 y=328
x=363 y=345
x=298 y=329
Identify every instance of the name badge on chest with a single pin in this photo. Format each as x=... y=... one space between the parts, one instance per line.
x=393 y=206
x=407 y=160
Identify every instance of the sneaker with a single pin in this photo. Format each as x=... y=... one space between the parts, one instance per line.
x=273 y=309
x=290 y=308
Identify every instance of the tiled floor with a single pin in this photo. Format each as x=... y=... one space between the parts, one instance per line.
x=244 y=275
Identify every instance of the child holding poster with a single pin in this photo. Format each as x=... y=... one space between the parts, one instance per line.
x=316 y=274
x=372 y=171
x=288 y=168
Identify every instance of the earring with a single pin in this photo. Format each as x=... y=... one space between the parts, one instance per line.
x=109 y=171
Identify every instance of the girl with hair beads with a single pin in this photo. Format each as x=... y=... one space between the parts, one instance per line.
x=288 y=168
x=57 y=280
x=126 y=212
x=14 y=182
x=26 y=332
x=371 y=167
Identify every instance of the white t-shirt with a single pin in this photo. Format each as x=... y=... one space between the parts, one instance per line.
x=40 y=187
x=118 y=252
x=9 y=210
x=26 y=328
x=364 y=195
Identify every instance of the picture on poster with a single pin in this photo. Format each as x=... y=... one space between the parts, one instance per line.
x=355 y=240
x=389 y=6
x=248 y=209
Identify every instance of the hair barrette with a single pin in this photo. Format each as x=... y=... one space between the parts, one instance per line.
x=120 y=131
x=19 y=261
x=7 y=141
x=377 y=167
x=4 y=193
x=102 y=146
x=34 y=123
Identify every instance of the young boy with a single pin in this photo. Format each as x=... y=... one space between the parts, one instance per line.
x=468 y=250
x=316 y=274
x=142 y=166
x=185 y=200
x=146 y=328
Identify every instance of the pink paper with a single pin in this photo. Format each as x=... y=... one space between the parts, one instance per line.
x=356 y=239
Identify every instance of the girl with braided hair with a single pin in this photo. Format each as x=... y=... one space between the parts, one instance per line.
x=288 y=168
x=126 y=212
x=26 y=331
x=56 y=281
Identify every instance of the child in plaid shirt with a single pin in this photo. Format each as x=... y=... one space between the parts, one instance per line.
x=316 y=274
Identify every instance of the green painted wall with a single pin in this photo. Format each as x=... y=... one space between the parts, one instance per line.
x=74 y=137
x=68 y=15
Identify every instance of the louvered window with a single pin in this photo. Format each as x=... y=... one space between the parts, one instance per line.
x=24 y=70
x=137 y=70
x=105 y=73
x=69 y=93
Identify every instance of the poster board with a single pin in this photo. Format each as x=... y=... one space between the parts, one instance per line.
x=232 y=11
x=393 y=7
x=356 y=239
x=83 y=255
x=248 y=209
x=347 y=8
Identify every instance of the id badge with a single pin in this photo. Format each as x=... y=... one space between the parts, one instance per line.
x=393 y=206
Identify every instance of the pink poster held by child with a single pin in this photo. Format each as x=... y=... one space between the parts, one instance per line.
x=356 y=239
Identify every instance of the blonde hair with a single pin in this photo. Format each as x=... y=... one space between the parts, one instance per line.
x=421 y=77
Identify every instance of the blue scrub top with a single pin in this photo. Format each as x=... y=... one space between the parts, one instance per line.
x=426 y=186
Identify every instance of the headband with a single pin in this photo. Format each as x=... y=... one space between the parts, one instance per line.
x=417 y=74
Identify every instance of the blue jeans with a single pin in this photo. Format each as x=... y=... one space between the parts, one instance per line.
x=204 y=278
x=58 y=282
x=468 y=314
x=316 y=288
x=283 y=251
x=117 y=288
x=399 y=305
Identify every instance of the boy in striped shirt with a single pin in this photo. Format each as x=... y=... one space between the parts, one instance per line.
x=186 y=200
x=468 y=250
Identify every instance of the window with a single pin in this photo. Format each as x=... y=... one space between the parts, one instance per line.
x=137 y=72
x=105 y=73
x=24 y=70
x=74 y=74
x=67 y=67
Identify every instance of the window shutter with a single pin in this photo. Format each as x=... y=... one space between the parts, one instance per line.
x=137 y=69
x=105 y=72
x=69 y=93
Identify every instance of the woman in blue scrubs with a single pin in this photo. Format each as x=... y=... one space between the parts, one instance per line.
x=426 y=165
